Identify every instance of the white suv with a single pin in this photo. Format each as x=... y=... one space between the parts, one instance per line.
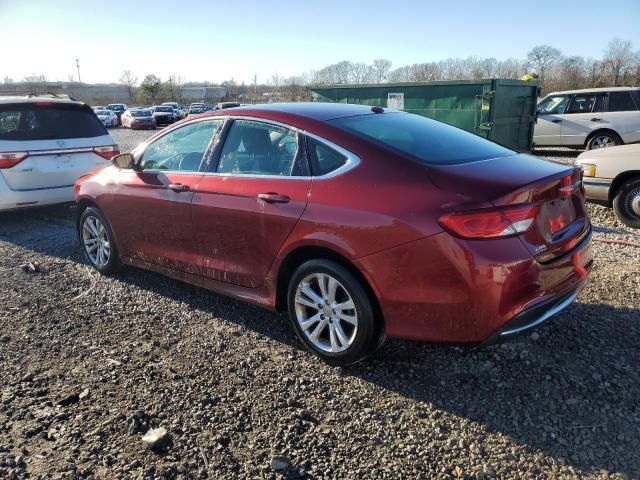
x=46 y=144
x=593 y=118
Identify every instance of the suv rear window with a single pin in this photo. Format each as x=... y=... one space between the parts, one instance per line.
x=52 y=122
x=427 y=141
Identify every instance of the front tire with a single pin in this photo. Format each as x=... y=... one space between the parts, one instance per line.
x=626 y=203
x=331 y=312
x=97 y=241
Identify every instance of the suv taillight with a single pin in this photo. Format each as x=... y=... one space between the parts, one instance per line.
x=490 y=222
x=11 y=159
x=107 y=152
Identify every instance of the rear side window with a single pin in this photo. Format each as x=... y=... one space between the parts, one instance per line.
x=583 y=104
x=424 y=140
x=30 y=122
x=621 y=102
x=324 y=159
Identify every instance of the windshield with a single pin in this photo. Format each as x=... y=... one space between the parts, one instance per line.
x=103 y=112
x=422 y=139
x=140 y=113
x=164 y=109
x=553 y=105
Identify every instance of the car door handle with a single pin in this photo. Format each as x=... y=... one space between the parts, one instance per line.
x=594 y=119
x=178 y=187
x=273 y=197
x=556 y=120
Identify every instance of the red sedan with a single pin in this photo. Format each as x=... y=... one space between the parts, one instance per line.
x=362 y=223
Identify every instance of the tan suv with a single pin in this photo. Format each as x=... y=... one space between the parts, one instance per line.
x=590 y=119
x=612 y=178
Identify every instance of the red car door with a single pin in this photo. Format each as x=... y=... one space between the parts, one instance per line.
x=149 y=209
x=244 y=211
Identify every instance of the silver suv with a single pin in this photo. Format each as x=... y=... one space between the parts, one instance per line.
x=590 y=119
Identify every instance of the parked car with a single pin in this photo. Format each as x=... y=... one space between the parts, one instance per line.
x=223 y=105
x=118 y=109
x=137 y=119
x=99 y=107
x=176 y=109
x=612 y=179
x=590 y=119
x=45 y=145
x=164 y=115
x=196 y=108
x=107 y=117
x=363 y=223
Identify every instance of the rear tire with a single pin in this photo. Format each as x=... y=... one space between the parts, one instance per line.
x=97 y=241
x=603 y=140
x=626 y=203
x=332 y=313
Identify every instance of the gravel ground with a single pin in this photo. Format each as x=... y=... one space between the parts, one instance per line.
x=89 y=363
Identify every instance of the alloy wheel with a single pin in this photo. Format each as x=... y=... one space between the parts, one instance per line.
x=96 y=241
x=326 y=312
x=602 y=141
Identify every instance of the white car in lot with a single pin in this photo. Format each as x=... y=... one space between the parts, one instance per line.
x=107 y=117
x=45 y=146
x=612 y=178
x=590 y=119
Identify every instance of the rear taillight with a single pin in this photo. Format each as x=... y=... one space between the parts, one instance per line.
x=490 y=222
x=11 y=159
x=107 y=152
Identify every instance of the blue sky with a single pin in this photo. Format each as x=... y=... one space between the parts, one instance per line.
x=218 y=40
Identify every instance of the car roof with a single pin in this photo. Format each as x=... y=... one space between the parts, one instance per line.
x=19 y=99
x=594 y=90
x=311 y=110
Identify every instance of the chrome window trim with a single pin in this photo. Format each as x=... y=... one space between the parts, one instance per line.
x=352 y=159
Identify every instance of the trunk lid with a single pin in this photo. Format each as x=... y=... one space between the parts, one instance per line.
x=562 y=221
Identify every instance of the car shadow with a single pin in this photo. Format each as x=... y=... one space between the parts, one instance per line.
x=567 y=392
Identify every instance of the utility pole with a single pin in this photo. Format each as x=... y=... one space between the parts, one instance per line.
x=78 y=67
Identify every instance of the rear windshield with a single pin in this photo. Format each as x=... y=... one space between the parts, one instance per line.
x=422 y=139
x=53 y=122
x=117 y=108
x=164 y=109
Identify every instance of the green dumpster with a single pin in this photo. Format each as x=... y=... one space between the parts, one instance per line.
x=500 y=110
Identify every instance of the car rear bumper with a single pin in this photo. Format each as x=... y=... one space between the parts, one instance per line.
x=597 y=188
x=12 y=200
x=447 y=290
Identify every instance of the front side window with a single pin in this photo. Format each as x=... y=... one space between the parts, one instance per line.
x=621 y=102
x=553 y=105
x=256 y=148
x=584 y=104
x=182 y=149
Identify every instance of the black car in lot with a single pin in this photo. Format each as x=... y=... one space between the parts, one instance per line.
x=118 y=109
x=164 y=114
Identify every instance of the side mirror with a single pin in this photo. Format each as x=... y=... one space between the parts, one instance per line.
x=124 y=160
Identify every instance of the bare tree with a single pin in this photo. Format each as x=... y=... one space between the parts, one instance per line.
x=130 y=81
x=360 y=72
x=174 y=88
x=619 y=57
x=380 y=69
x=542 y=58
